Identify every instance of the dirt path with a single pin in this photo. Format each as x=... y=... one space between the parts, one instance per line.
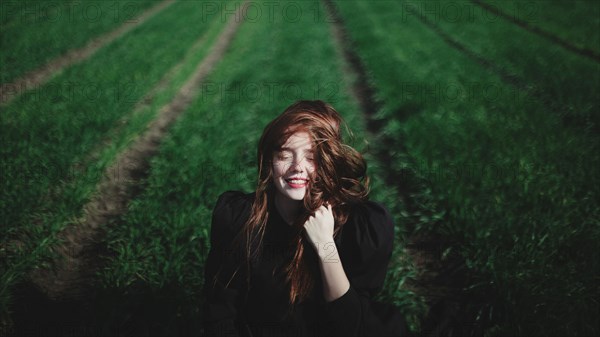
x=34 y=78
x=69 y=278
x=439 y=279
x=164 y=83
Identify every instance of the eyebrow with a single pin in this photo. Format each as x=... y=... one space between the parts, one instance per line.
x=283 y=148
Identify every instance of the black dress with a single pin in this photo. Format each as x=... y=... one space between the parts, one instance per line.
x=233 y=309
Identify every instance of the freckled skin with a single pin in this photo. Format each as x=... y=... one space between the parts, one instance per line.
x=295 y=160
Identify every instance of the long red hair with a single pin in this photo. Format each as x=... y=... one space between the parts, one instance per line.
x=340 y=179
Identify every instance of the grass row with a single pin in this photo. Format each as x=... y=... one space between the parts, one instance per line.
x=577 y=21
x=545 y=67
x=160 y=246
x=39 y=31
x=517 y=186
x=45 y=185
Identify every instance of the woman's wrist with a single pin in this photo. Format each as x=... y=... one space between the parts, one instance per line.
x=326 y=250
x=335 y=281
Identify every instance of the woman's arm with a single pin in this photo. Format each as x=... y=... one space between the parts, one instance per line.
x=335 y=281
x=365 y=249
x=319 y=229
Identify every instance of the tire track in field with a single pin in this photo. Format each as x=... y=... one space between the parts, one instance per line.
x=71 y=276
x=145 y=102
x=586 y=52
x=440 y=279
x=34 y=78
x=93 y=155
x=362 y=91
x=107 y=141
x=529 y=89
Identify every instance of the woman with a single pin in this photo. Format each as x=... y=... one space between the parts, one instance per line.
x=304 y=254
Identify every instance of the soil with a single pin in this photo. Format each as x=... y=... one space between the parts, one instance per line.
x=35 y=78
x=56 y=300
x=440 y=278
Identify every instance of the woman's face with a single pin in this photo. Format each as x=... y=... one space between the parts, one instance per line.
x=293 y=165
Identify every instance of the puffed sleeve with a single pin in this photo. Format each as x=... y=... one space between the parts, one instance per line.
x=223 y=271
x=365 y=248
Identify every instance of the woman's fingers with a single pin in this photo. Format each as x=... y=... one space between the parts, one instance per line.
x=321 y=213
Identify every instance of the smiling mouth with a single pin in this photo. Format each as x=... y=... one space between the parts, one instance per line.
x=297 y=182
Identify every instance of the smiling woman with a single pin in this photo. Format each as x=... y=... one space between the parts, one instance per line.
x=305 y=253
x=292 y=165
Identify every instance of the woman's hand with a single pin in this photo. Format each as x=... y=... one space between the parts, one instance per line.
x=319 y=229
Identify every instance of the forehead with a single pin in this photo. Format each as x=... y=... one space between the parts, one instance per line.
x=298 y=141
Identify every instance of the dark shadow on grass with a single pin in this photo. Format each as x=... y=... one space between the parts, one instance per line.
x=138 y=310
x=453 y=311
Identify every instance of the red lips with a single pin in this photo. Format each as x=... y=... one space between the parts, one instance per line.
x=297 y=182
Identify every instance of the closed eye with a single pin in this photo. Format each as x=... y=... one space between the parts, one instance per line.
x=284 y=155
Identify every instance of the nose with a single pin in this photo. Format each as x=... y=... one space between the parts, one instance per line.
x=297 y=167
x=299 y=164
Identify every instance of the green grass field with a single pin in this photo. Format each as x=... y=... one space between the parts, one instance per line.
x=495 y=124
x=582 y=17
x=49 y=171
x=518 y=185
x=38 y=31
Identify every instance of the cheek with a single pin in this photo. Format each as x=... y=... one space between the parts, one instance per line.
x=312 y=168
x=279 y=169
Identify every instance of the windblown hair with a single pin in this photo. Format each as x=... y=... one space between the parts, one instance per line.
x=339 y=179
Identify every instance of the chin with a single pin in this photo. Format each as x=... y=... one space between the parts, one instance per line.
x=296 y=195
x=293 y=194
